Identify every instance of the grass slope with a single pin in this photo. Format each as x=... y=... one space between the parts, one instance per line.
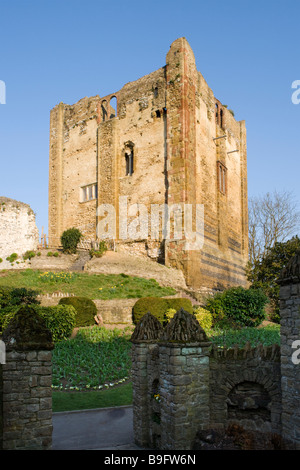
x=94 y=286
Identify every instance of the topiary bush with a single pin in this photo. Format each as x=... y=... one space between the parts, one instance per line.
x=158 y=307
x=85 y=310
x=59 y=319
x=70 y=239
x=245 y=307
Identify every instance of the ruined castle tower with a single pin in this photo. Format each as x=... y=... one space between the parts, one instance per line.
x=166 y=141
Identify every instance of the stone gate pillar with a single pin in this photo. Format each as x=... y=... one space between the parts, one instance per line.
x=25 y=384
x=184 y=381
x=144 y=342
x=290 y=350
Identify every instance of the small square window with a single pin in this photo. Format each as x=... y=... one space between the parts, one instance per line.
x=88 y=192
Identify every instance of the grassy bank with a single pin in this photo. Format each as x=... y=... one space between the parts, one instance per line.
x=94 y=286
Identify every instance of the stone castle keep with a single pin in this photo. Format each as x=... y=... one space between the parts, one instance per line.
x=162 y=139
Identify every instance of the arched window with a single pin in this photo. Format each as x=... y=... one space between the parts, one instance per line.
x=104 y=110
x=113 y=107
x=217 y=113
x=129 y=159
x=221 y=118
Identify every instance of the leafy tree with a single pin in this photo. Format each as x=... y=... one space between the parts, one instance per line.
x=70 y=239
x=265 y=271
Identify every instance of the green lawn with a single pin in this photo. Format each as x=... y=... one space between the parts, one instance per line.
x=68 y=401
x=94 y=286
x=95 y=359
x=92 y=370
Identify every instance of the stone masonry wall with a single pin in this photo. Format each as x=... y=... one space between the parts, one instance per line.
x=25 y=384
x=290 y=345
x=18 y=230
x=182 y=384
x=178 y=133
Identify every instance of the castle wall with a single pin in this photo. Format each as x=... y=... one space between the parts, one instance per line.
x=18 y=230
x=167 y=125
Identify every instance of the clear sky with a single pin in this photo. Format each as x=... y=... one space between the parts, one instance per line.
x=63 y=50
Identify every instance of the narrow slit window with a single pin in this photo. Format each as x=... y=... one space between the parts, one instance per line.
x=222 y=178
x=129 y=162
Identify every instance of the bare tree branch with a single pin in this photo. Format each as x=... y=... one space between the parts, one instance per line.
x=272 y=218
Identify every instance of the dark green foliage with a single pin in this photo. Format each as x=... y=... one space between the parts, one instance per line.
x=11 y=258
x=244 y=307
x=17 y=296
x=29 y=254
x=70 y=239
x=100 y=251
x=158 y=307
x=4 y=296
x=23 y=296
x=85 y=310
x=59 y=319
x=264 y=273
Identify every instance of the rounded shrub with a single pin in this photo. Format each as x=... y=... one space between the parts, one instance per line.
x=60 y=319
x=245 y=307
x=85 y=310
x=70 y=239
x=158 y=307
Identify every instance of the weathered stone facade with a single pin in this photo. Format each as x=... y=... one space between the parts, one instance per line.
x=169 y=141
x=25 y=384
x=187 y=391
x=18 y=230
x=290 y=349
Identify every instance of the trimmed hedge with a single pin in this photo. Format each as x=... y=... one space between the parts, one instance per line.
x=60 y=319
x=85 y=310
x=158 y=307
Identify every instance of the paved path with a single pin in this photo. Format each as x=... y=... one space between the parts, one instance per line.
x=103 y=428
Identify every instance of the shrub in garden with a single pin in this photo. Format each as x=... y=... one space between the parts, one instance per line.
x=85 y=310
x=28 y=255
x=101 y=250
x=23 y=296
x=59 y=319
x=158 y=307
x=70 y=239
x=204 y=317
x=245 y=307
x=5 y=296
x=17 y=296
x=11 y=258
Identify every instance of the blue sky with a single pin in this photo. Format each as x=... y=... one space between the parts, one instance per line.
x=54 y=51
